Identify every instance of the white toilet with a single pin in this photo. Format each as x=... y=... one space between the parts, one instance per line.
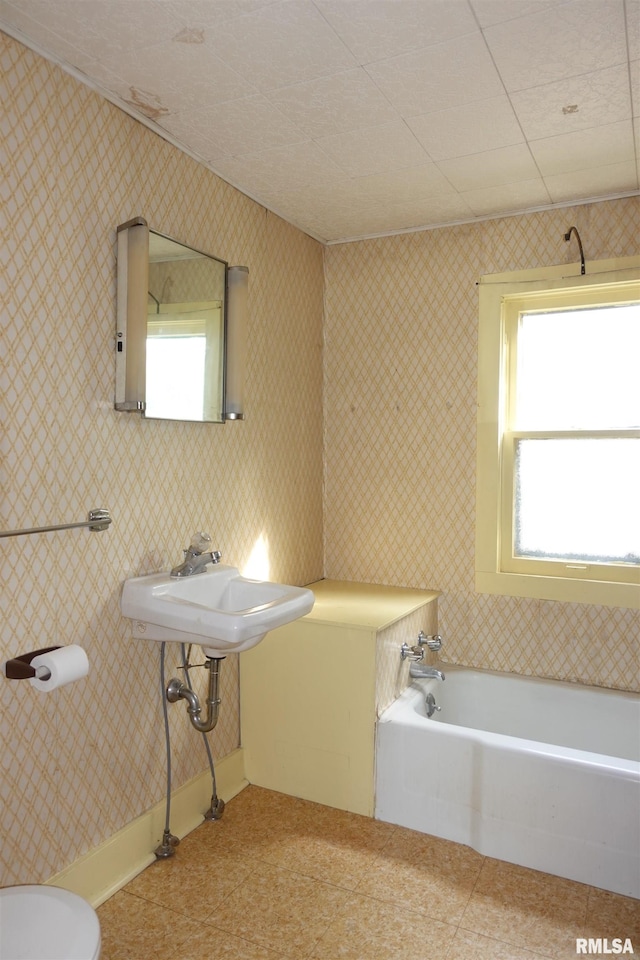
x=46 y=923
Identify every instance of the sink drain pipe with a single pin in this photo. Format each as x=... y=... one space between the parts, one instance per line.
x=177 y=690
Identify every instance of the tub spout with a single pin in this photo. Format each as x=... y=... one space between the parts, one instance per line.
x=419 y=671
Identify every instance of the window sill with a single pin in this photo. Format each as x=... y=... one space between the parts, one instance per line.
x=559 y=588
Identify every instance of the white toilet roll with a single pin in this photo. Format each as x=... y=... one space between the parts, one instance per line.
x=64 y=664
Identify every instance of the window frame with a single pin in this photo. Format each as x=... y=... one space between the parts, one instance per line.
x=501 y=298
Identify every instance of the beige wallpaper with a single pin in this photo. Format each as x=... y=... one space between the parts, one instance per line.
x=400 y=421
x=399 y=435
x=81 y=762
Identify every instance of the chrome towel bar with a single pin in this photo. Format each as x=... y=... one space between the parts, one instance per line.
x=98 y=519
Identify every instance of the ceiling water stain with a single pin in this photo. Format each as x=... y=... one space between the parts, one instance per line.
x=189 y=35
x=146 y=103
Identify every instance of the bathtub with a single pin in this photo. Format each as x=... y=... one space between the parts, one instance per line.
x=539 y=773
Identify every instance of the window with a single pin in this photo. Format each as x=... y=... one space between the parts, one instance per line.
x=558 y=492
x=184 y=361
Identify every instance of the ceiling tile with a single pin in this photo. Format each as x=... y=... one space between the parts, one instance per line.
x=390 y=146
x=197 y=76
x=489 y=12
x=633 y=28
x=386 y=28
x=634 y=72
x=411 y=185
x=467 y=129
x=248 y=125
x=599 y=97
x=280 y=169
x=596 y=182
x=212 y=12
x=490 y=169
x=104 y=28
x=182 y=128
x=42 y=34
x=566 y=41
x=281 y=44
x=512 y=196
x=438 y=77
x=584 y=149
x=423 y=213
x=335 y=104
x=324 y=209
x=349 y=226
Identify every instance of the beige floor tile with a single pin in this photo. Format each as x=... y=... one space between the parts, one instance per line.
x=610 y=915
x=192 y=882
x=371 y=930
x=261 y=807
x=259 y=820
x=279 y=878
x=434 y=876
x=527 y=908
x=208 y=943
x=136 y=929
x=330 y=845
x=471 y=946
x=280 y=910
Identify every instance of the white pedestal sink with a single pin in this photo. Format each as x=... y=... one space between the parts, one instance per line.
x=217 y=608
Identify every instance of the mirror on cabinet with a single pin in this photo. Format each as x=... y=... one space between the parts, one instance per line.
x=170 y=343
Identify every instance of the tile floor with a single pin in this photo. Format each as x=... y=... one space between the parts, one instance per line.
x=281 y=878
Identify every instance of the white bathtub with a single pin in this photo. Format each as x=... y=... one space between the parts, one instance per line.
x=540 y=773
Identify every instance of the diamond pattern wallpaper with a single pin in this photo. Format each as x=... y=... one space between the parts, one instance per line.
x=401 y=318
x=74 y=167
x=367 y=474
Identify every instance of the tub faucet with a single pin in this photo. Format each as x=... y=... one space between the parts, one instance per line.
x=420 y=671
x=196 y=556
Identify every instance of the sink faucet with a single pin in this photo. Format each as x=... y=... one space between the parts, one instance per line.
x=197 y=556
x=420 y=671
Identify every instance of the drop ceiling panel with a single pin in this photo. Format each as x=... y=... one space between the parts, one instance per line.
x=383 y=29
x=491 y=169
x=564 y=41
x=468 y=129
x=414 y=82
x=614 y=178
x=358 y=117
x=525 y=194
x=334 y=104
x=585 y=149
x=578 y=103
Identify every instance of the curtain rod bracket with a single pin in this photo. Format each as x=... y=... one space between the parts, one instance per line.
x=567 y=237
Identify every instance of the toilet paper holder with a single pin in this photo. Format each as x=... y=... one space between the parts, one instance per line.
x=19 y=668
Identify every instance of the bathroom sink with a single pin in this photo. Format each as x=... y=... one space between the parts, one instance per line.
x=218 y=608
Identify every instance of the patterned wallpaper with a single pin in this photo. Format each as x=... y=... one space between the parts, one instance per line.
x=74 y=167
x=400 y=430
x=399 y=435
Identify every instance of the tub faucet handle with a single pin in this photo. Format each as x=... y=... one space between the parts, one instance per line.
x=411 y=653
x=434 y=642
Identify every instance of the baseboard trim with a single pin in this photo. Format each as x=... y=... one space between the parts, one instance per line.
x=101 y=872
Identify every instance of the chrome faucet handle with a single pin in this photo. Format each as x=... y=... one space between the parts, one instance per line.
x=434 y=642
x=414 y=654
x=200 y=543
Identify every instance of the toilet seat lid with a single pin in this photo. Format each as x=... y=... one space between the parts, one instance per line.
x=38 y=922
